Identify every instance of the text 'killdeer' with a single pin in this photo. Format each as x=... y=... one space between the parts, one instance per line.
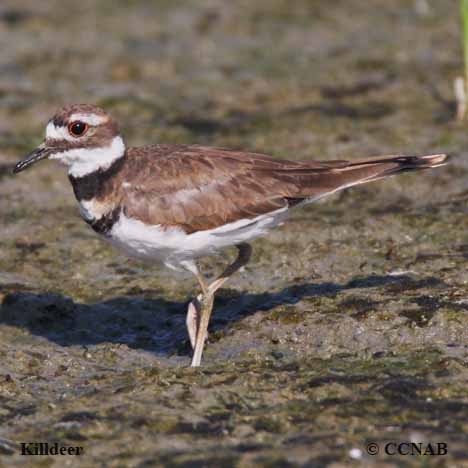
x=176 y=203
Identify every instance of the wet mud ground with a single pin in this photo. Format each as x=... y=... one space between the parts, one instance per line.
x=349 y=326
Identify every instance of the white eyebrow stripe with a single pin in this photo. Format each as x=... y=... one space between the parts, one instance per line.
x=57 y=133
x=90 y=119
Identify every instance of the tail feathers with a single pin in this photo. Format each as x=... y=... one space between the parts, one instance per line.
x=399 y=163
x=426 y=161
x=369 y=170
x=338 y=175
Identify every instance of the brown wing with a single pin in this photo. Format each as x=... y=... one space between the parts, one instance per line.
x=199 y=188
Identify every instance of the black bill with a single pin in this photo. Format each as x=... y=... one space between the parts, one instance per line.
x=41 y=152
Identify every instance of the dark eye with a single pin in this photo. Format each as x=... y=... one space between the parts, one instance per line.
x=77 y=128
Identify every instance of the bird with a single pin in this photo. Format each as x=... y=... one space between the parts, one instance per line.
x=175 y=203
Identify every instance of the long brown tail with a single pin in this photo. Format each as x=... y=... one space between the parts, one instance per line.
x=371 y=169
x=338 y=175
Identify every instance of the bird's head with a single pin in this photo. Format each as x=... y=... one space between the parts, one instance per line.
x=81 y=136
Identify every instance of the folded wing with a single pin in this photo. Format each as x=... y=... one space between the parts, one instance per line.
x=199 y=188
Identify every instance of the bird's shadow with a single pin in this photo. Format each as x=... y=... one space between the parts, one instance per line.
x=155 y=325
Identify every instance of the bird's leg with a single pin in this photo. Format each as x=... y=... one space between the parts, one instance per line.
x=201 y=281
x=205 y=306
x=206 y=303
x=193 y=312
x=243 y=257
x=193 y=318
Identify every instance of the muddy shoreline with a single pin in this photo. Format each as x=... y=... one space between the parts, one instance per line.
x=349 y=326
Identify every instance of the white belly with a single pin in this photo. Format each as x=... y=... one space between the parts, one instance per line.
x=172 y=246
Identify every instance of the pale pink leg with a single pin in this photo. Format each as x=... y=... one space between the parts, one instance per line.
x=193 y=319
x=206 y=302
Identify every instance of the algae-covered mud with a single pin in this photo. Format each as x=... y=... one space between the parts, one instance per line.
x=349 y=326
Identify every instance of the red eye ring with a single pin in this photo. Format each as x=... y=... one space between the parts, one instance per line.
x=77 y=128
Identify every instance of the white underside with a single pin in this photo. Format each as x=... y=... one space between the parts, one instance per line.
x=176 y=249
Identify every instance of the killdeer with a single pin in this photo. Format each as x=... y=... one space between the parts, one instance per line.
x=175 y=203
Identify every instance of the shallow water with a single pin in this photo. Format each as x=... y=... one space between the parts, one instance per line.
x=349 y=326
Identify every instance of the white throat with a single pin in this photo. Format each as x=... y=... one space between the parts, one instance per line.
x=83 y=161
